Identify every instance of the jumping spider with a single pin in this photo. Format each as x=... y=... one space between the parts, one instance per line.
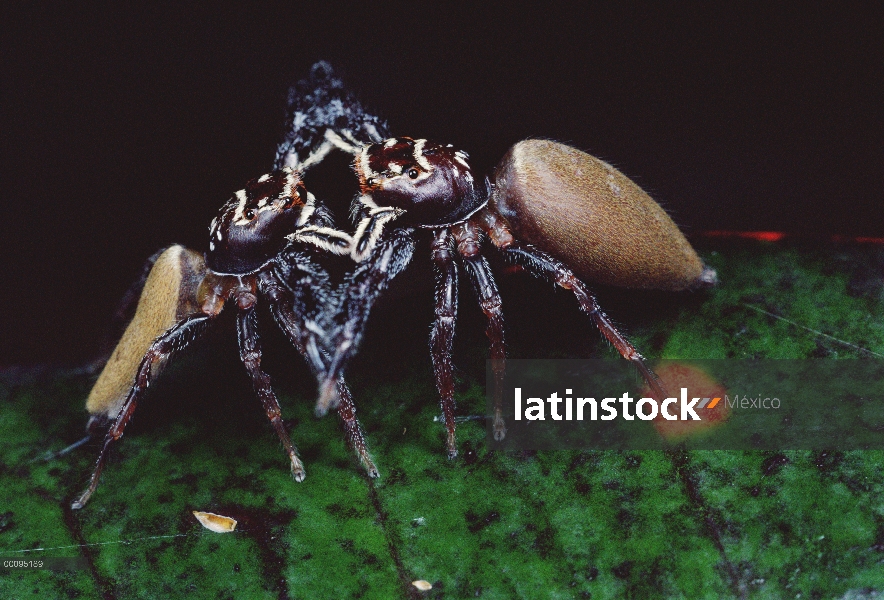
x=557 y=211
x=249 y=259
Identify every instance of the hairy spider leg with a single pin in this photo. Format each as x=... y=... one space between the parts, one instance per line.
x=91 y=428
x=387 y=258
x=177 y=338
x=381 y=255
x=363 y=287
x=325 y=238
x=469 y=243
x=322 y=115
x=442 y=334
x=347 y=411
x=282 y=307
x=544 y=265
x=250 y=355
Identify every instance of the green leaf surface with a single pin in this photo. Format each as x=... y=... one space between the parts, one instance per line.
x=564 y=524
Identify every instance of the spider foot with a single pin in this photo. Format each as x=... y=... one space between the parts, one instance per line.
x=499 y=428
x=452 y=446
x=298 y=472
x=84 y=497
x=368 y=465
x=49 y=455
x=357 y=442
x=650 y=377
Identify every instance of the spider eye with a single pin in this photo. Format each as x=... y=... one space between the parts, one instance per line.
x=413 y=173
x=250 y=214
x=299 y=197
x=370 y=181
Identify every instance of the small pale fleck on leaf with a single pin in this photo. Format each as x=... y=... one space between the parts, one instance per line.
x=216 y=523
x=422 y=585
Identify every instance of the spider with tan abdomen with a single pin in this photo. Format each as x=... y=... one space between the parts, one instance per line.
x=561 y=213
x=249 y=261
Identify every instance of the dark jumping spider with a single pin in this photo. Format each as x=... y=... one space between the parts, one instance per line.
x=249 y=260
x=557 y=211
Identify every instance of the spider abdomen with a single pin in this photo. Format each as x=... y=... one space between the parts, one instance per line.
x=587 y=214
x=168 y=296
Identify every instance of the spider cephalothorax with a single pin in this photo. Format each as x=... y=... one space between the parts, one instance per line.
x=548 y=206
x=250 y=228
x=433 y=184
x=249 y=258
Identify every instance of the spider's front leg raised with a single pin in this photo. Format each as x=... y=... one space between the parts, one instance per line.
x=388 y=257
x=290 y=305
x=361 y=288
x=322 y=115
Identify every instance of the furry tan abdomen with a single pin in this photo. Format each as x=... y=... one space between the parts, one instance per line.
x=169 y=294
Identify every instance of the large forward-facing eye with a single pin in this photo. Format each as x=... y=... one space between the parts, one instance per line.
x=298 y=197
x=250 y=214
x=413 y=173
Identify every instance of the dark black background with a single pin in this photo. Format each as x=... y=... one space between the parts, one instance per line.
x=125 y=128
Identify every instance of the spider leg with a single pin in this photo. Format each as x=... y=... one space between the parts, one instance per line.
x=359 y=293
x=250 y=355
x=291 y=319
x=369 y=230
x=285 y=315
x=442 y=334
x=468 y=238
x=176 y=338
x=322 y=115
x=542 y=264
x=325 y=238
x=331 y=140
x=347 y=412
